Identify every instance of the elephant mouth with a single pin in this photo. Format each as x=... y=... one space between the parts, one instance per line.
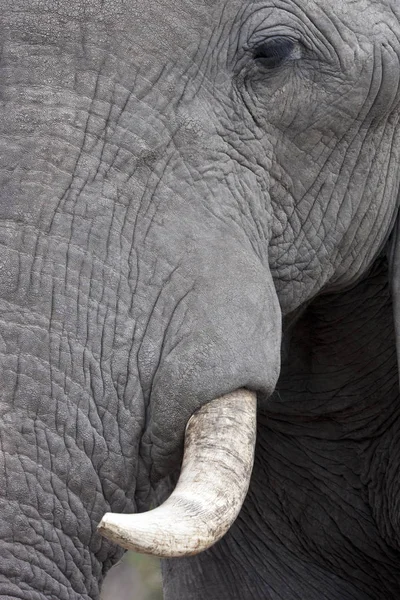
x=215 y=476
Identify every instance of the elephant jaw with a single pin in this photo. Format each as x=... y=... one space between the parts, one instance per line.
x=215 y=476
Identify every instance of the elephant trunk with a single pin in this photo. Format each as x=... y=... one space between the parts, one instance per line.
x=216 y=469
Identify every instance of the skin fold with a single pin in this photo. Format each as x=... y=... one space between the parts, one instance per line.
x=198 y=197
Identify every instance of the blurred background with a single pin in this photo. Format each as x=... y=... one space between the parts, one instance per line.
x=135 y=577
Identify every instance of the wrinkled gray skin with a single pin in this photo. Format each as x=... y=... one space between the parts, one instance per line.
x=166 y=198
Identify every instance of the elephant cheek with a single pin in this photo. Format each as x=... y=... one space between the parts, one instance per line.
x=225 y=334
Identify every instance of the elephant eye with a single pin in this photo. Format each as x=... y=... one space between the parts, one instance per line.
x=274 y=52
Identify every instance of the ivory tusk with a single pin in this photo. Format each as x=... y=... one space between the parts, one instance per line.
x=215 y=476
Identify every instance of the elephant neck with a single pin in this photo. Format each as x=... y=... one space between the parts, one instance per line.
x=339 y=376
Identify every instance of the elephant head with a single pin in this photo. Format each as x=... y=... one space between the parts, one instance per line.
x=176 y=179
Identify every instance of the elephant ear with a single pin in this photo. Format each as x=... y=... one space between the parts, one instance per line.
x=394 y=279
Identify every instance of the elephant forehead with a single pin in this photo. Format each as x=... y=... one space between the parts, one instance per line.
x=165 y=25
x=155 y=23
x=98 y=8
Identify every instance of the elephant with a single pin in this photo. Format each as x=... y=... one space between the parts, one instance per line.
x=200 y=296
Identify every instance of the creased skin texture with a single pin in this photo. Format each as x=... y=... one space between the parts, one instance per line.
x=164 y=200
